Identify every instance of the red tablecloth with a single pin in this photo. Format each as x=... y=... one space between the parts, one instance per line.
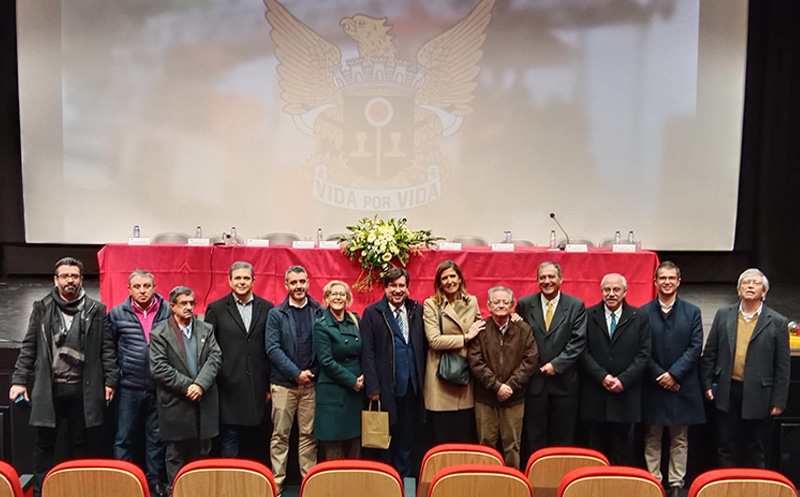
x=205 y=270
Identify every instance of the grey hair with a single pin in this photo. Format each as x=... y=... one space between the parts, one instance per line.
x=750 y=272
x=500 y=289
x=177 y=292
x=549 y=263
x=295 y=269
x=241 y=265
x=624 y=281
x=143 y=274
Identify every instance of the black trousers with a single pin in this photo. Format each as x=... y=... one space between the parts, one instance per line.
x=549 y=421
x=613 y=440
x=741 y=442
x=454 y=426
x=68 y=406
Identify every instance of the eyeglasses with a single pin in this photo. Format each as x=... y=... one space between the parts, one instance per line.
x=341 y=295
x=67 y=277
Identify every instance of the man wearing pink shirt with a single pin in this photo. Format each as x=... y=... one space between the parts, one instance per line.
x=130 y=324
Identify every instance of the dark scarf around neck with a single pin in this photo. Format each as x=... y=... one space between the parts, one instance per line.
x=70 y=307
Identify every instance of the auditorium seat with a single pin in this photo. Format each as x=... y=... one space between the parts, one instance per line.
x=468 y=240
x=95 y=478
x=575 y=241
x=224 y=478
x=612 y=481
x=479 y=480
x=281 y=238
x=742 y=482
x=9 y=481
x=445 y=455
x=352 y=478
x=171 y=237
x=520 y=242
x=546 y=467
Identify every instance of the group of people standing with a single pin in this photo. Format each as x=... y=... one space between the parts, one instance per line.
x=522 y=376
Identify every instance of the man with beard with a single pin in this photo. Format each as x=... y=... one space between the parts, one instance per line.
x=239 y=320
x=70 y=355
x=615 y=359
x=393 y=361
x=294 y=372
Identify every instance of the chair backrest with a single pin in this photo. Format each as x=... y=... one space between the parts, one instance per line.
x=9 y=481
x=479 y=480
x=95 y=478
x=352 y=478
x=279 y=238
x=742 y=481
x=575 y=241
x=224 y=478
x=445 y=455
x=171 y=237
x=546 y=467
x=612 y=481
x=520 y=242
x=468 y=240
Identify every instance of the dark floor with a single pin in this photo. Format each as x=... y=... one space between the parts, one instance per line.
x=18 y=294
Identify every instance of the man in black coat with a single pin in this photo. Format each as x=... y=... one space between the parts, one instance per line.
x=239 y=320
x=745 y=371
x=70 y=355
x=393 y=361
x=616 y=356
x=558 y=321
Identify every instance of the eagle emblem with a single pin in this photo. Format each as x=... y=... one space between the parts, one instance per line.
x=377 y=119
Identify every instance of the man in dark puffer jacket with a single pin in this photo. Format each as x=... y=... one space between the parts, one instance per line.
x=131 y=323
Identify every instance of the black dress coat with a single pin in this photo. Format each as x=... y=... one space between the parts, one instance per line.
x=243 y=380
x=625 y=356
x=677 y=344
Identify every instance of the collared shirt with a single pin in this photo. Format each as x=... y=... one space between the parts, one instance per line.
x=665 y=308
x=305 y=302
x=502 y=328
x=245 y=310
x=617 y=313
x=186 y=330
x=750 y=317
x=553 y=302
x=403 y=318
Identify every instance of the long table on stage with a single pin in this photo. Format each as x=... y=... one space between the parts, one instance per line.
x=205 y=270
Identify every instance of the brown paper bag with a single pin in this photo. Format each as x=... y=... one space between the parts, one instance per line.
x=375 y=428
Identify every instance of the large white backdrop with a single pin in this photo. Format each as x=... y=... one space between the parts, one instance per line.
x=464 y=116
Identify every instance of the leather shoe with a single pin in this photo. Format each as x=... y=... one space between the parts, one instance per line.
x=675 y=492
x=161 y=490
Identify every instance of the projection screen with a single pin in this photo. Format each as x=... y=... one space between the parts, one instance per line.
x=464 y=116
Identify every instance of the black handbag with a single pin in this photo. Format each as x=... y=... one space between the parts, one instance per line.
x=453 y=367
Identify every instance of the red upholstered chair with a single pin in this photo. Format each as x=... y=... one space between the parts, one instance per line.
x=479 y=480
x=742 y=481
x=445 y=455
x=352 y=478
x=95 y=478
x=612 y=481
x=546 y=467
x=9 y=481
x=224 y=478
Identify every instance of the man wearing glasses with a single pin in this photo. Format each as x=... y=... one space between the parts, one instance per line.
x=72 y=360
x=745 y=371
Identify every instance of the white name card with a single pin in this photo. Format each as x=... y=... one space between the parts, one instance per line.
x=449 y=246
x=576 y=247
x=502 y=247
x=303 y=244
x=623 y=247
x=329 y=244
x=257 y=242
x=199 y=242
x=138 y=241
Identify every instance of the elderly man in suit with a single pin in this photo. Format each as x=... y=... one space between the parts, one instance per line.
x=558 y=321
x=616 y=356
x=745 y=371
x=184 y=361
x=671 y=389
x=239 y=320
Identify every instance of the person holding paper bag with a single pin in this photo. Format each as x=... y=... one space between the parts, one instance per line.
x=337 y=341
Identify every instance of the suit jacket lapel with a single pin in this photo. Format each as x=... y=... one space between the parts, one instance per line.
x=537 y=313
x=172 y=341
x=558 y=316
x=627 y=316
x=257 y=310
x=732 y=326
x=599 y=316
x=450 y=311
x=234 y=312
x=763 y=322
x=201 y=334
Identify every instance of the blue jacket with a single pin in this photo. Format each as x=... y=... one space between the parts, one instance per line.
x=133 y=351
x=281 y=343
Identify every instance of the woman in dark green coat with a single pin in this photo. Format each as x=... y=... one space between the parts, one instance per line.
x=337 y=343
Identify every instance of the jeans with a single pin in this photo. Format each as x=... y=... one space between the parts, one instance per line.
x=137 y=407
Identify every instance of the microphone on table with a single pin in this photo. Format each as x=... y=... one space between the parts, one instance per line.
x=553 y=217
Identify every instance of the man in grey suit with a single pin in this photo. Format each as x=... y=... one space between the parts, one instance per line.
x=184 y=361
x=558 y=321
x=745 y=371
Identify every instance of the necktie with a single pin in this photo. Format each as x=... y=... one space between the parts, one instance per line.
x=398 y=316
x=548 y=317
x=613 y=325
